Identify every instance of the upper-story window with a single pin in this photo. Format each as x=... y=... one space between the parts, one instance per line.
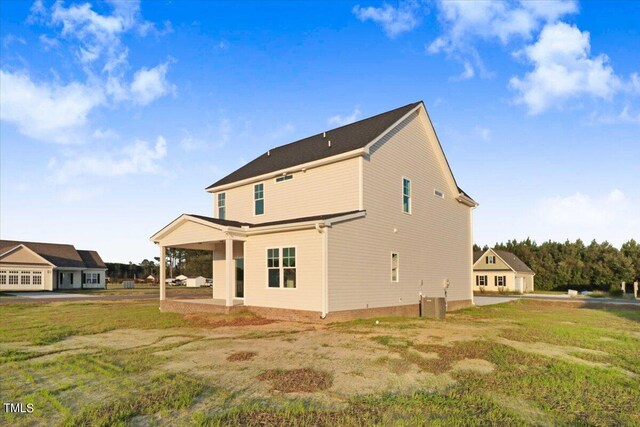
x=258 y=199
x=222 y=205
x=491 y=259
x=284 y=178
x=406 y=195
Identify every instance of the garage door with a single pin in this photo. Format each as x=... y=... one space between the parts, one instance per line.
x=19 y=278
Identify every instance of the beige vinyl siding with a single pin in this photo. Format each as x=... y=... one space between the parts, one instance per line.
x=491 y=281
x=499 y=265
x=433 y=242
x=321 y=190
x=23 y=256
x=307 y=295
x=46 y=274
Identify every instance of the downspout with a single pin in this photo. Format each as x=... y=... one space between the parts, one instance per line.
x=322 y=229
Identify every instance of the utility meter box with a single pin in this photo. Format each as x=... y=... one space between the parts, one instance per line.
x=433 y=307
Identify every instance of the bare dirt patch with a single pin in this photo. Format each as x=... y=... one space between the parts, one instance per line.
x=480 y=366
x=305 y=380
x=217 y=321
x=241 y=356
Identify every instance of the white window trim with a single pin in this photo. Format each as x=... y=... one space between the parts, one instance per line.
x=217 y=202
x=283 y=179
x=491 y=258
x=264 y=204
x=484 y=278
x=397 y=268
x=410 y=196
x=499 y=279
x=281 y=267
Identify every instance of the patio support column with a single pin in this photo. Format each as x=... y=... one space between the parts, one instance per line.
x=163 y=274
x=228 y=264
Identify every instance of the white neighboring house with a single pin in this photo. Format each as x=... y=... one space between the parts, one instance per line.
x=35 y=266
x=196 y=282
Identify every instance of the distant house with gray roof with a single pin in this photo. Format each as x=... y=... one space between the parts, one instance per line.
x=35 y=266
x=501 y=271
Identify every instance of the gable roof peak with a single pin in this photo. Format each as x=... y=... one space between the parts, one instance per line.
x=342 y=139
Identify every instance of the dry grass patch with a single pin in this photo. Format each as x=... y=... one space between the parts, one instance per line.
x=241 y=356
x=305 y=380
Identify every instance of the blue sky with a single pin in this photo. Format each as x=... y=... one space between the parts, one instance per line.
x=116 y=116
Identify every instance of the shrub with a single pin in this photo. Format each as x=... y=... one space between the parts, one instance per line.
x=615 y=291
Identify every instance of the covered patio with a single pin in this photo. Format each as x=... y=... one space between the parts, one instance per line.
x=224 y=239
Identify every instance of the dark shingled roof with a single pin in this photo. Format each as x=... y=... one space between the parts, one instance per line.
x=60 y=255
x=343 y=139
x=91 y=259
x=265 y=224
x=513 y=261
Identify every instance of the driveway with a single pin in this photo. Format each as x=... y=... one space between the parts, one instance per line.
x=497 y=299
x=27 y=297
x=482 y=301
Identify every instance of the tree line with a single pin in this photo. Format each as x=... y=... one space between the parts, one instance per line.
x=191 y=263
x=559 y=266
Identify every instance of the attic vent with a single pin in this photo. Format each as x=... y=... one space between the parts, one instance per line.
x=268 y=152
x=329 y=143
x=324 y=134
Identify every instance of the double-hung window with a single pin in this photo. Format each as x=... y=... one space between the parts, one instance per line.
x=222 y=205
x=258 y=199
x=281 y=267
x=481 y=280
x=406 y=195
x=491 y=259
x=501 y=281
x=395 y=267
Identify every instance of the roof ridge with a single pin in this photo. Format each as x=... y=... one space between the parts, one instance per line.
x=347 y=138
x=347 y=125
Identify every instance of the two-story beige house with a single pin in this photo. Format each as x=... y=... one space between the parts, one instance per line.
x=355 y=221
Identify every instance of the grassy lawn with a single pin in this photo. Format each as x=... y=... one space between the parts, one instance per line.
x=518 y=363
x=140 y=289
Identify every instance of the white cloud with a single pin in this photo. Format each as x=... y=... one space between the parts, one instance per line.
x=339 y=120
x=581 y=210
x=150 y=84
x=138 y=157
x=394 y=20
x=48 y=111
x=563 y=68
x=9 y=39
x=609 y=216
x=49 y=42
x=485 y=133
x=464 y=22
x=60 y=111
x=216 y=139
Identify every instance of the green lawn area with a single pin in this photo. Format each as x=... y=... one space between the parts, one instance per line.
x=518 y=363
